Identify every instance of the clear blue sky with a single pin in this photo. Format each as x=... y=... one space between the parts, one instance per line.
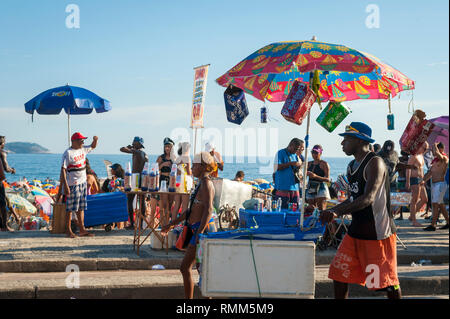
x=140 y=56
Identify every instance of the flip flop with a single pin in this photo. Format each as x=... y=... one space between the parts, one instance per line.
x=86 y=235
x=416 y=224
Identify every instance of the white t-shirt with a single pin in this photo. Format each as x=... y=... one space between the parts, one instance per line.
x=74 y=161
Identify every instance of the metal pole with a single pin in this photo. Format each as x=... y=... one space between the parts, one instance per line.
x=195 y=142
x=305 y=164
x=68 y=127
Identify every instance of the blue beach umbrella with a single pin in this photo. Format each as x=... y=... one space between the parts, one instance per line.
x=74 y=100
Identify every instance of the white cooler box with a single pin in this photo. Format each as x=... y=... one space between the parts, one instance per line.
x=155 y=243
x=231 y=193
x=285 y=268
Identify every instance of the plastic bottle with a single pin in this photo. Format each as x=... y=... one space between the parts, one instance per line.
x=274 y=206
x=152 y=179
x=279 y=203
x=269 y=205
x=144 y=184
x=156 y=177
x=173 y=178
x=127 y=180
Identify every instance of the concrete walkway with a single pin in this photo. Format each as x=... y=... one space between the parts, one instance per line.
x=33 y=265
x=40 y=251
x=158 y=284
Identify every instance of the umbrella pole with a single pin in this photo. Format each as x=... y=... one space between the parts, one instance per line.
x=305 y=166
x=68 y=128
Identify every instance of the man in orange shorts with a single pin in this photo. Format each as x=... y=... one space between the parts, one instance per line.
x=367 y=255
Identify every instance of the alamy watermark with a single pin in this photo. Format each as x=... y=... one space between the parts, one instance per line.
x=73 y=279
x=373 y=19
x=237 y=145
x=73 y=19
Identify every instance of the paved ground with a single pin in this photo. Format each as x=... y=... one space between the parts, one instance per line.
x=168 y=284
x=33 y=265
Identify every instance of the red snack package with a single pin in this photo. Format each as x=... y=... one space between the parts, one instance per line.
x=416 y=133
x=298 y=103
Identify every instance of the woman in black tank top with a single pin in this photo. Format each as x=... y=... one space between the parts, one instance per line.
x=317 y=192
x=165 y=200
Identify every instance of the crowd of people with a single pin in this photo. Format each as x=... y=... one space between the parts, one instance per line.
x=422 y=174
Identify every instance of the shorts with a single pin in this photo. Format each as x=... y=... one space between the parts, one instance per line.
x=210 y=228
x=287 y=197
x=438 y=192
x=76 y=201
x=2 y=195
x=371 y=263
x=322 y=193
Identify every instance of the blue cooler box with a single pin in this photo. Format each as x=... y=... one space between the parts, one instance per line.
x=292 y=218
x=106 y=208
x=251 y=218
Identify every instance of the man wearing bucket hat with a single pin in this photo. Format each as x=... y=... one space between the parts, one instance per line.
x=367 y=254
x=74 y=181
x=137 y=166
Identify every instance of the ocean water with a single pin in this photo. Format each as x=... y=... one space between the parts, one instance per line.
x=42 y=166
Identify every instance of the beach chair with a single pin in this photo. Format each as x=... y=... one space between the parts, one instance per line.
x=334 y=233
x=228 y=218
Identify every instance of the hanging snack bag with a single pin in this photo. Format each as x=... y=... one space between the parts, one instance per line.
x=235 y=104
x=332 y=116
x=298 y=103
x=416 y=133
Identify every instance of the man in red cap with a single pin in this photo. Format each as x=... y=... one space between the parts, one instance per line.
x=73 y=173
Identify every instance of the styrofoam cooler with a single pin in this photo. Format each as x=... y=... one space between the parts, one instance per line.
x=285 y=269
x=231 y=193
x=106 y=208
x=155 y=242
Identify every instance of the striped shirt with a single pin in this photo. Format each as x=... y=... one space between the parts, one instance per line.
x=74 y=161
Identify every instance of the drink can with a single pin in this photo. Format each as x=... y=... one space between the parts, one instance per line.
x=289 y=206
x=390 y=121
x=264 y=114
x=294 y=207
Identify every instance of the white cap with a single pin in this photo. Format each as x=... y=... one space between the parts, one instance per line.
x=209 y=146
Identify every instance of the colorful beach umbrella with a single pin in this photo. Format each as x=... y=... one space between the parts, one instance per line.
x=45 y=203
x=21 y=205
x=335 y=72
x=345 y=74
x=74 y=100
x=39 y=191
x=440 y=132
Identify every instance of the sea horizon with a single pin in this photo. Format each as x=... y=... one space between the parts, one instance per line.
x=42 y=166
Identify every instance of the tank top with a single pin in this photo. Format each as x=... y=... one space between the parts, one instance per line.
x=166 y=169
x=316 y=170
x=374 y=222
